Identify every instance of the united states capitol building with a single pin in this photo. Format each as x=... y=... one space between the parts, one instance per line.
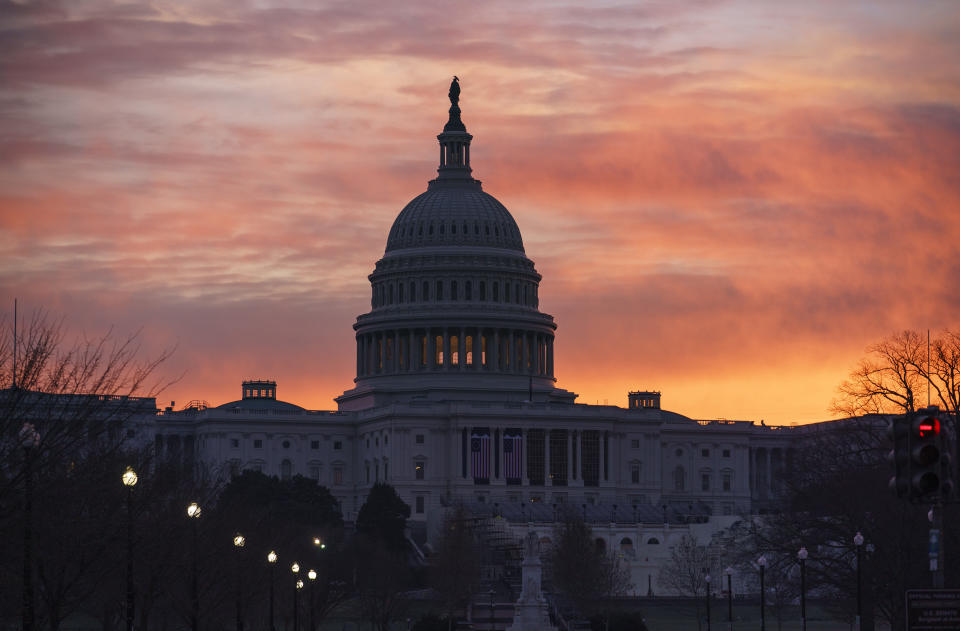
x=455 y=401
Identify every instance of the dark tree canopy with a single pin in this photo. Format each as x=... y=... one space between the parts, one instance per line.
x=384 y=517
x=455 y=568
x=257 y=501
x=582 y=571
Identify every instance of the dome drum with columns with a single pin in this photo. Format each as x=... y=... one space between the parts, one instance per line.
x=455 y=300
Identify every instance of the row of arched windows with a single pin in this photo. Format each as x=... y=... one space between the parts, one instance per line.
x=400 y=292
x=484 y=230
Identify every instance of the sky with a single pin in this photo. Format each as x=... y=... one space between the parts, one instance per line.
x=728 y=200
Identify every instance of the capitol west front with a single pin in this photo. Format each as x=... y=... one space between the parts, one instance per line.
x=455 y=402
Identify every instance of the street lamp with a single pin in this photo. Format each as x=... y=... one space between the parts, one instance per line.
x=707 y=579
x=129 y=479
x=238 y=542
x=193 y=513
x=802 y=555
x=858 y=542
x=312 y=575
x=272 y=561
x=317 y=541
x=29 y=437
x=493 y=624
x=297 y=586
x=762 y=562
x=729 y=573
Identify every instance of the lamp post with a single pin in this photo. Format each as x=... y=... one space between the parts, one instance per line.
x=729 y=573
x=29 y=437
x=129 y=479
x=312 y=575
x=858 y=542
x=297 y=586
x=272 y=562
x=802 y=555
x=238 y=542
x=317 y=541
x=493 y=624
x=762 y=562
x=193 y=513
x=707 y=579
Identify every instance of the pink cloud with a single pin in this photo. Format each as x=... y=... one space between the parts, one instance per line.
x=701 y=195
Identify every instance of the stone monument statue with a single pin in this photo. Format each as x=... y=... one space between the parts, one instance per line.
x=530 y=611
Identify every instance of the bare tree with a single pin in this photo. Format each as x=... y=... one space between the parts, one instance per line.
x=454 y=570
x=897 y=373
x=838 y=487
x=582 y=570
x=888 y=380
x=686 y=571
x=78 y=394
x=81 y=400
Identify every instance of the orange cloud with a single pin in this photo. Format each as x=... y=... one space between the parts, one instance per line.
x=726 y=204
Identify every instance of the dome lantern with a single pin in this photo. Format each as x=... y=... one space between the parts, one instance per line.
x=454 y=142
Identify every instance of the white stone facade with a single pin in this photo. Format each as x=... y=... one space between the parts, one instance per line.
x=455 y=360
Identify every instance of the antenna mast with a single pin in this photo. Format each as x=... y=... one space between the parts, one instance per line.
x=14 y=343
x=928 y=367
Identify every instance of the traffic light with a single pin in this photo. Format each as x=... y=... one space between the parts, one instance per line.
x=899 y=432
x=926 y=462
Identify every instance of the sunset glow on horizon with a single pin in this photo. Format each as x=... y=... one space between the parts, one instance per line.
x=727 y=200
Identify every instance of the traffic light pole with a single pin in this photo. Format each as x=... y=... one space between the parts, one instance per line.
x=937 y=555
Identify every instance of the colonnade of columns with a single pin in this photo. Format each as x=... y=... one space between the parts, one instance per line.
x=557 y=457
x=455 y=349
x=765 y=463
x=455 y=153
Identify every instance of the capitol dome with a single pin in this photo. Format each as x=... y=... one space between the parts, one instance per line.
x=454 y=304
x=454 y=213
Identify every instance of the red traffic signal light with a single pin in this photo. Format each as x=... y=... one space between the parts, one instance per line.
x=925 y=427
x=925 y=455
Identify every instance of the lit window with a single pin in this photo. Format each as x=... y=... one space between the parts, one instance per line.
x=338 y=475
x=418 y=467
